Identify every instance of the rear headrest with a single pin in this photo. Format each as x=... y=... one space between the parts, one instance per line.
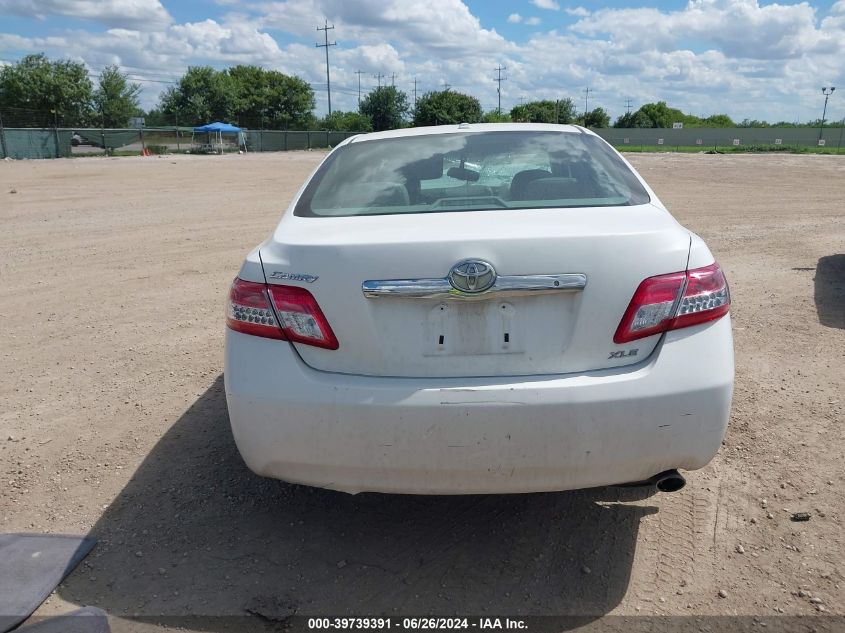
x=555 y=189
x=522 y=178
x=425 y=169
x=365 y=194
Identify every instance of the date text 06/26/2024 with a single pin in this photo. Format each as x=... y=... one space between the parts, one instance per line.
x=413 y=624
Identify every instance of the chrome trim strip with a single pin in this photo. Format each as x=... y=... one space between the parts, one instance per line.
x=506 y=285
x=409 y=288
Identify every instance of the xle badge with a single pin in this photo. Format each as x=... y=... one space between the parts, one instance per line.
x=623 y=353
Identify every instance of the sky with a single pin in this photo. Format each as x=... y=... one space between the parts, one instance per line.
x=746 y=58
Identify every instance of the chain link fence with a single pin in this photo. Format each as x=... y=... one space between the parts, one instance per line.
x=37 y=134
x=21 y=143
x=26 y=133
x=798 y=139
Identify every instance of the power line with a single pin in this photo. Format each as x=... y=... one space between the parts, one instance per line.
x=139 y=70
x=136 y=73
x=499 y=79
x=346 y=91
x=379 y=77
x=136 y=78
x=143 y=69
x=326 y=28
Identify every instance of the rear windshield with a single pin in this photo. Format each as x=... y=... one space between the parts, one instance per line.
x=471 y=171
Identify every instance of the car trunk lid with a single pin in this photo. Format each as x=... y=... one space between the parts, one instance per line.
x=497 y=334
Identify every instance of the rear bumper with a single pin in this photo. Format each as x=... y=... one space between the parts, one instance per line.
x=480 y=435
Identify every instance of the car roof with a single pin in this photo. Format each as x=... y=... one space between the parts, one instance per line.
x=470 y=127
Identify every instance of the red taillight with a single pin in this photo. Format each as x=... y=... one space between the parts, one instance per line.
x=658 y=304
x=301 y=319
x=250 y=312
x=293 y=316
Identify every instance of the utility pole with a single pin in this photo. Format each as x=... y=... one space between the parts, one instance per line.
x=359 y=73
x=499 y=79
x=587 y=92
x=393 y=79
x=415 y=92
x=378 y=76
x=446 y=86
x=326 y=28
x=628 y=105
x=826 y=92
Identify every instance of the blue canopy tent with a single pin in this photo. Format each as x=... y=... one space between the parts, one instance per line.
x=214 y=136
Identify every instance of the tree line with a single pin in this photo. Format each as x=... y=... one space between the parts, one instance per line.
x=62 y=91
x=257 y=98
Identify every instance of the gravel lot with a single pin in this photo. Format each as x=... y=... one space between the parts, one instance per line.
x=113 y=274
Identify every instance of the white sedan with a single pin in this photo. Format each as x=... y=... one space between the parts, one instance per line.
x=478 y=309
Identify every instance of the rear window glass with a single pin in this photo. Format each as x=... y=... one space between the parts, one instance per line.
x=470 y=172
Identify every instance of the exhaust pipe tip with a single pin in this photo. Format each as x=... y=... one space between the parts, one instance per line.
x=669 y=481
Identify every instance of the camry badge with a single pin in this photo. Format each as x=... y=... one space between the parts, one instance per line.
x=309 y=279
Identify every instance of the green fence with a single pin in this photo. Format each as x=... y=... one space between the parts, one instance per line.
x=34 y=143
x=62 y=142
x=56 y=143
x=282 y=141
x=743 y=139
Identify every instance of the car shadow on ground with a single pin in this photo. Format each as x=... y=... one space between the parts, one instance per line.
x=195 y=533
x=830 y=291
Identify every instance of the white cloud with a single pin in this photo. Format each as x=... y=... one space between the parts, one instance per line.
x=233 y=41
x=10 y=41
x=740 y=28
x=734 y=56
x=419 y=27
x=141 y=14
x=835 y=20
x=551 y=5
x=579 y=12
x=534 y=21
x=749 y=60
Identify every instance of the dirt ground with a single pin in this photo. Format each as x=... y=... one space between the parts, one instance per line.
x=113 y=274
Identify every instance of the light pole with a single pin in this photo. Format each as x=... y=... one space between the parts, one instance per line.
x=826 y=92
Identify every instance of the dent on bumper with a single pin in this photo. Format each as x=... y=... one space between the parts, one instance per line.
x=490 y=435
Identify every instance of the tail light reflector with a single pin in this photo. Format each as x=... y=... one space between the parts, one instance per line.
x=674 y=301
x=279 y=312
x=250 y=312
x=301 y=318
